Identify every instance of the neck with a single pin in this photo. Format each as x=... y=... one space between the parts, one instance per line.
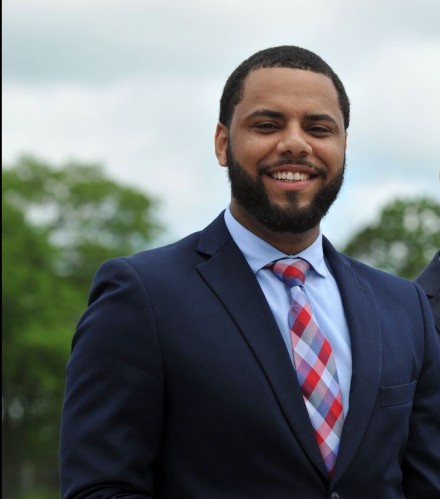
x=289 y=243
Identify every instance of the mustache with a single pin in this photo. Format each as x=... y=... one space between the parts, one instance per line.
x=286 y=160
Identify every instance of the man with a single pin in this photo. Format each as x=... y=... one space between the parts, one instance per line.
x=252 y=360
x=429 y=279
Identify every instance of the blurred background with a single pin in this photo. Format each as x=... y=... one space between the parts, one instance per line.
x=109 y=111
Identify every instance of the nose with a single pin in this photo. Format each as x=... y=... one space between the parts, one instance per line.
x=294 y=140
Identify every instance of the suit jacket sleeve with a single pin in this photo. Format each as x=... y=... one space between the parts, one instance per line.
x=112 y=415
x=421 y=471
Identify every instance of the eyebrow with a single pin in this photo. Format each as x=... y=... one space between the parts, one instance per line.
x=320 y=117
x=268 y=113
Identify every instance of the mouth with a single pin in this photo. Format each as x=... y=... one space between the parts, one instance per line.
x=291 y=176
x=292 y=171
x=288 y=176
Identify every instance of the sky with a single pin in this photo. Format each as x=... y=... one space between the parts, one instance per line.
x=134 y=85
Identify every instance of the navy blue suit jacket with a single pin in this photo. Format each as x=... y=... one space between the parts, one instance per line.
x=180 y=385
x=429 y=279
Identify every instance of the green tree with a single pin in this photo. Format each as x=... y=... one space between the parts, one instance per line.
x=403 y=240
x=58 y=225
x=38 y=308
x=89 y=216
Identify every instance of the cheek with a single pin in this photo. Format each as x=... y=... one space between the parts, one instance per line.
x=254 y=149
x=332 y=155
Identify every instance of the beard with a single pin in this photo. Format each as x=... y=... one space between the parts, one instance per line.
x=253 y=198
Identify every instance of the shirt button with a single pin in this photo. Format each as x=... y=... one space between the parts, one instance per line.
x=335 y=495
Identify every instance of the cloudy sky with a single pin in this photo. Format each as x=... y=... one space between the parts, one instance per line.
x=134 y=85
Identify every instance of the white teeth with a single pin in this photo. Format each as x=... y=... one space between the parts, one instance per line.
x=290 y=176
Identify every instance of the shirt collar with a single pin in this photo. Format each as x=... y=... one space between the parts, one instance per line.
x=259 y=253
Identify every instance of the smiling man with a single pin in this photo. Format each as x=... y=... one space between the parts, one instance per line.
x=285 y=153
x=251 y=359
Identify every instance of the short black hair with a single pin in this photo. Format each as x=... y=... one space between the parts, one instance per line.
x=284 y=56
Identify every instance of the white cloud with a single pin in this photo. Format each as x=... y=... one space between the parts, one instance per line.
x=129 y=128
x=135 y=85
x=396 y=102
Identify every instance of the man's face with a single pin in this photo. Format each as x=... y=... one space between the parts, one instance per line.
x=285 y=150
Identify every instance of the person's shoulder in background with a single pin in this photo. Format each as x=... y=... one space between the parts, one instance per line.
x=429 y=279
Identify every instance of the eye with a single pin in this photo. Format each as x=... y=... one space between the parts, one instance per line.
x=319 y=130
x=266 y=126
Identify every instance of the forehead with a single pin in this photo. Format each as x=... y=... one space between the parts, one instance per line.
x=289 y=89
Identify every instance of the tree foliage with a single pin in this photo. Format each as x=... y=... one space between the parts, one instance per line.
x=58 y=226
x=403 y=240
x=87 y=215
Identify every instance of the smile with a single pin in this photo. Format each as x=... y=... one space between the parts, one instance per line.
x=290 y=176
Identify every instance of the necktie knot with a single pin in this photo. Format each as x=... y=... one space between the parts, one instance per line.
x=293 y=273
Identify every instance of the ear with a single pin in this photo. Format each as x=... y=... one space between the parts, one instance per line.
x=221 y=143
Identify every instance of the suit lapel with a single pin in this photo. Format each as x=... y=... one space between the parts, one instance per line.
x=366 y=346
x=231 y=279
x=227 y=273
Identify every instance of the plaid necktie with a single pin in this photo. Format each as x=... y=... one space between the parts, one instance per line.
x=314 y=363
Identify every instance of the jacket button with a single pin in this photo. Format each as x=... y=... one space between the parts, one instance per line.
x=335 y=495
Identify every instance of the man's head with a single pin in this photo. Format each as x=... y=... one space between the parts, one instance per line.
x=285 y=56
x=282 y=136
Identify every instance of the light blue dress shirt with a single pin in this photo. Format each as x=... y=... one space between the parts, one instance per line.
x=320 y=287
